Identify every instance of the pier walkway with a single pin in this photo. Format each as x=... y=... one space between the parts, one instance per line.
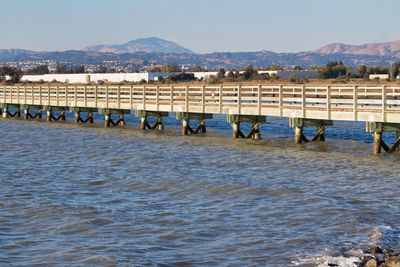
x=304 y=105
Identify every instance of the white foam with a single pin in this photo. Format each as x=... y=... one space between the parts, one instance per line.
x=325 y=261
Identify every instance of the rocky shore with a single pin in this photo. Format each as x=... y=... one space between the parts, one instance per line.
x=378 y=257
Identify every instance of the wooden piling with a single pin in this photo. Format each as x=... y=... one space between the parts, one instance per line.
x=160 y=126
x=377 y=142
x=107 y=121
x=320 y=130
x=256 y=131
x=5 y=112
x=203 y=125
x=235 y=129
x=185 y=123
x=143 y=123
x=298 y=135
x=122 y=120
x=77 y=117
x=26 y=114
x=48 y=115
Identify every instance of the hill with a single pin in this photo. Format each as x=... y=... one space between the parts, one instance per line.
x=375 y=49
x=148 y=45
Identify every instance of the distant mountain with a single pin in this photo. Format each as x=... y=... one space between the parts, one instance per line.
x=375 y=49
x=6 y=54
x=148 y=45
x=152 y=52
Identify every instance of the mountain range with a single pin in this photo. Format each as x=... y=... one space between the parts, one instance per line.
x=148 y=45
x=155 y=51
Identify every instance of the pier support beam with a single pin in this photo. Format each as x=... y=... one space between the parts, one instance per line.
x=255 y=121
x=185 y=117
x=28 y=108
x=6 y=110
x=144 y=114
x=78 y=118
x=299 y=124
x=108 y=121
x=378 y=128
x=50 y=113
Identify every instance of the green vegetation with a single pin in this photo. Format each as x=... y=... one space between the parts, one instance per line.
x=63 y=69
x=14 y=73
x=39 y=70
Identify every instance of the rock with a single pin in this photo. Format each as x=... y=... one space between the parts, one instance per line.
x=371 y=263
x=375 y=250
x=393 y=261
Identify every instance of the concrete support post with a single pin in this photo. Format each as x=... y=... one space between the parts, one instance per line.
x=77 y=116
x=26 y=112
x=321 y=137
x=48 y=115
x=18 y=110
x=90 y=117
x=160 y=126
x=185 y=123
x=5 y=112
x=122 y=120
x=397 y=137
x=107 y=121
x=235 y=129
x=142 y=123
x=40 y=113
x=377 y=142
x=256 y=127
x=298 y=134
x=62 y=113
x=203 y=125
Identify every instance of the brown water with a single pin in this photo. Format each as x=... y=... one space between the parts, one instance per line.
x=85 y=195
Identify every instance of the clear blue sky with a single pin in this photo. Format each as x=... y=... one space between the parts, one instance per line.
x=202 y=26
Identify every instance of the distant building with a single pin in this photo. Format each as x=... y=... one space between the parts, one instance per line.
x=95 y=77
x=378 y=76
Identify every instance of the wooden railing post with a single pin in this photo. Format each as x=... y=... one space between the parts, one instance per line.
x=157 y=97
x=355 y=101
x=220 y=99
x=384 y=97
x=144 y=97
x=187 y=98
x=171 y=102
x=281 y=100
x=239 y=99
x=328 y=102
x=203 y=98
x=303 y=101
x=259 y=99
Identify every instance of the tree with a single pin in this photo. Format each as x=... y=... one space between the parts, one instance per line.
x=155 y=69
x=362 y=71
x=63 y=69
x=40 y=70
x=197 y=69
x=249 y=72
x=395 y=70
x=221 y=74
x=79 y=69
x=14 y=74
x=170 y=68
x=297 y=68
x=274 y=67
x=102 y=70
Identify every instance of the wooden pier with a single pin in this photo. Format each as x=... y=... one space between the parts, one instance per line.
x=305 y=106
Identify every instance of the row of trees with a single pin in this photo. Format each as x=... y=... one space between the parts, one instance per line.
x=335 y=69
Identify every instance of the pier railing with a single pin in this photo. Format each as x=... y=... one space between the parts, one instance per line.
x=336 y=102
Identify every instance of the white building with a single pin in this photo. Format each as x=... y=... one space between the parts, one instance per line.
x=378 y=76
x=94 y=77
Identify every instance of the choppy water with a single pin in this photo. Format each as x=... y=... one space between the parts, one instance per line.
x=85 y=195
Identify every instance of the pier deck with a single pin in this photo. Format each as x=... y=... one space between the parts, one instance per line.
x=373 y=104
